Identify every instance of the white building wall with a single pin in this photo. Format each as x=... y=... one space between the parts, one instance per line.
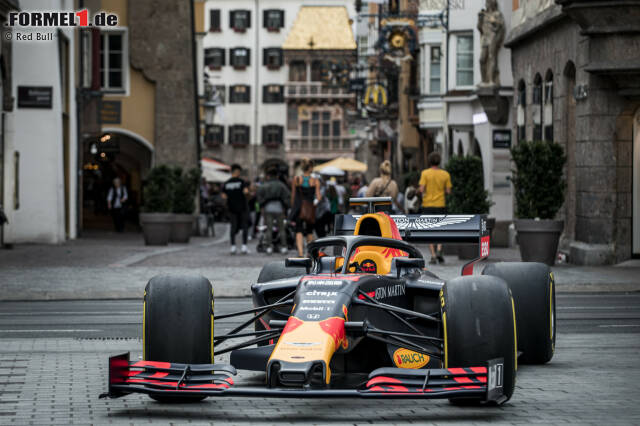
x=36 y=134
x=256 y=113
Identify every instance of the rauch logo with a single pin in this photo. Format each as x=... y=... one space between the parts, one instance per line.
x=404 y=358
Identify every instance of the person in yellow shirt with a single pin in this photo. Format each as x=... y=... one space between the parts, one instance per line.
x=434 y=184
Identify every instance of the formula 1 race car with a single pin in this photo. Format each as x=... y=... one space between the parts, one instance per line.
x=359 y=317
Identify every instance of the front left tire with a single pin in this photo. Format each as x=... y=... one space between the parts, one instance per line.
x=178 y=323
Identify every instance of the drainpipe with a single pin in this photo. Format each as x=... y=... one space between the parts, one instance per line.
x=79 y=137
x=446 y=89
x=194 y=60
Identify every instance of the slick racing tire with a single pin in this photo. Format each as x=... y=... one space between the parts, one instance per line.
x=478 y=324
x=276 y=271
x=534 y=293
x=178 y=323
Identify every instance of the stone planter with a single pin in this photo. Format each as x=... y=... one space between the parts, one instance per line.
x=181 y=227
x=538 y=239
x=156 y=228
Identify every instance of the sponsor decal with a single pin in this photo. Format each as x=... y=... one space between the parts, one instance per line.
x=484 y=246
x=318 y=302
x=318 y=293
x=324 y=282
x=385 y=292
x=335 y=328
x=389 y=291
x=302 y=343
x=312 y=308
x=426 y=222
x=404 y=358
x=369 y=266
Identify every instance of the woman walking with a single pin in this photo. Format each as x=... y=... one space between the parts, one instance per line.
x=305 y=195
x=384 y=186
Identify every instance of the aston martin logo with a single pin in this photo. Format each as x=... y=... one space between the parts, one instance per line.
x=425 y=222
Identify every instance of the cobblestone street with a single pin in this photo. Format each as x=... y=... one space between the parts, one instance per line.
x=593 y=379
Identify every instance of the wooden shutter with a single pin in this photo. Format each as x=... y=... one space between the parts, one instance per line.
x=265 y=51
x=282 y=18
x=265 y=13
x=232 y=21
x=248 y=19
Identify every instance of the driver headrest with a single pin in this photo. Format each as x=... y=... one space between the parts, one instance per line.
x=377 y=225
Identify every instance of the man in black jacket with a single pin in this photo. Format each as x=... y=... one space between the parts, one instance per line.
x=273 y=197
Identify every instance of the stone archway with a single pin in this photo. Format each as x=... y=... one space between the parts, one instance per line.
x=120 y=154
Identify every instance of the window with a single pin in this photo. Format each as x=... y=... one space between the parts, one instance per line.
x=464 y=60
x=239 y=135
x=240 y=57
x=272 y=57
x=272 y=94
x=214 y=93
x=521 y=110
x=214 y=58
x=337 y=125
x=434 y=71
x=214 y=20
x=239 y=94
x=547 y=114
x=273 y=19
x=240 y=20
x=112 y=61
x=272 y=135
x=298 y=71
x=537 y=108
x=292 y=117
x=363 y=46
x=214 y=135
x=316 y=71
x=304 y=124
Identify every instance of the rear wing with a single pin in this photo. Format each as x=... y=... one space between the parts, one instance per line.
x=426 y=229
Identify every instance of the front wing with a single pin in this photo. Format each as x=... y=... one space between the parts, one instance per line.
x=172 y=379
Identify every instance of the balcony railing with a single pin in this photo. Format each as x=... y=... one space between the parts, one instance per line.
x=320 y=144
x=315 y=90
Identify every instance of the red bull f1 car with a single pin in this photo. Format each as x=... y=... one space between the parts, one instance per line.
x=359 y=317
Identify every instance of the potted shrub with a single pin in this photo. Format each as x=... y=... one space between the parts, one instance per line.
x=539 y=191
x=185 y=187
x=156 y=216
x=468 y=195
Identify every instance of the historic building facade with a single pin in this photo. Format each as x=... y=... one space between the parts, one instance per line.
x=577 y=82
x=245 y=82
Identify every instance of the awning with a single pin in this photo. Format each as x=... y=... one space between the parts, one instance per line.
x=214 y=171
x=343 y=163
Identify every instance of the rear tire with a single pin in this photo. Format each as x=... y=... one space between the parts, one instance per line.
x=178 y=323
x=276 y=271
x=534 y=294
x=479 y=325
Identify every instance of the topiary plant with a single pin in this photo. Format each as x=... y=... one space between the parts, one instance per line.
x=158 y=190
x=186 y=185
x=467 y=186
x=537 y=179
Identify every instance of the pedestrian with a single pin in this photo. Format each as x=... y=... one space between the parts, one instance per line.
x=273 y=197
x=412 y=196
x=305 y=195
x=323 y=212
x=383 y=185
x=235 y=191
x=116 y=198
x=434 y=184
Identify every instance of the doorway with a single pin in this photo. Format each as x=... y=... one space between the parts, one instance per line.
x=113 y=155
x=635 y=187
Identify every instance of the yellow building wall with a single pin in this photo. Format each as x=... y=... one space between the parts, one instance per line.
x=137 y=112
x=119 y=7
x=198 y=16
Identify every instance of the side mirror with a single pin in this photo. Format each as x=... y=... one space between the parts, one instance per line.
x=299 y=262
x=410 y=262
